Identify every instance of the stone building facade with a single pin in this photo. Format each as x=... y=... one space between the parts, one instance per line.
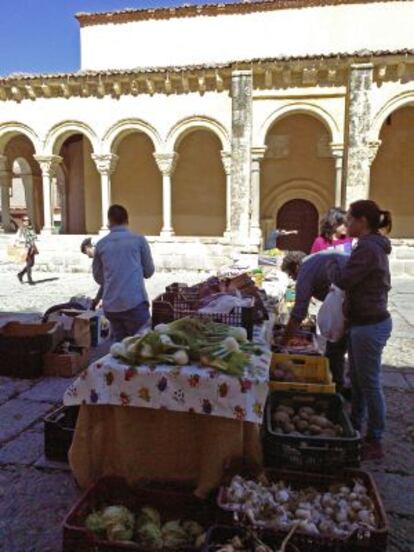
x=215 y=123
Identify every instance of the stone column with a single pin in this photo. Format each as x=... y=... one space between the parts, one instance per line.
x=48 y=164
x=255 y=227
x=227 y=162
x=241 y=93
x=337 y=151
x=5 y=185
x=361 y=151
x=106 y=165
x=166 y=163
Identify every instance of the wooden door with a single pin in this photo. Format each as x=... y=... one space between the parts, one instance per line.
x=301 y=215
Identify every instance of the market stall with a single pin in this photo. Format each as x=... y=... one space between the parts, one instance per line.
x=161 y=420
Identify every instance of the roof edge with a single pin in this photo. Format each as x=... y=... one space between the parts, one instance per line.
x=209 y=10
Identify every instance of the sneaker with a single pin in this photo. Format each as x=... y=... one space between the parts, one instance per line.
x=372 y=450
x=20 y=278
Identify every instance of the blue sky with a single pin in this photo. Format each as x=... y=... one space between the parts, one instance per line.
x=43 y=36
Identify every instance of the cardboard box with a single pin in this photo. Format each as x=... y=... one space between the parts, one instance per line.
x=81 y=327
x=65 y=365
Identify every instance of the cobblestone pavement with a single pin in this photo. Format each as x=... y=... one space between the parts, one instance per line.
x=35 y=494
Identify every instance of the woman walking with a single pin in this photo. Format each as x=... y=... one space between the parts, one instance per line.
x=366 y=281
x=27 y=236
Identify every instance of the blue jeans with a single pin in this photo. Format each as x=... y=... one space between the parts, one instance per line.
x=366 y=344
x=126 y=323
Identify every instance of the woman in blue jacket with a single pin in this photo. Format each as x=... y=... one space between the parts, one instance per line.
x=367 y=282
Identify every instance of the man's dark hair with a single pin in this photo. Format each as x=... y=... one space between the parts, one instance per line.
x=117 y=215
x=292 y=261
x=87 y=242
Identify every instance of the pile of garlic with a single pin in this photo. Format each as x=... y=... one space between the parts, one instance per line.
x=338 y=513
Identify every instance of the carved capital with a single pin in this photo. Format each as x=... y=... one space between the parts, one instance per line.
x=48 y=164
x=166 y=162
x=227 y=161
x=373 y=148
x=258 y=152
x=337 y=150
x=105 y=163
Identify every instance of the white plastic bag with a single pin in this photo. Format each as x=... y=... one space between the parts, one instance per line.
x=331 y=320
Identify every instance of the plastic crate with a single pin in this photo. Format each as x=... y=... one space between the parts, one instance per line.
x=221 y=534
x=30 y=337
x=376 y=541
x=171 y=504
x=59 y=430
x=169 y=307
x=21 y=364
x=308 y=452
x=312 y=371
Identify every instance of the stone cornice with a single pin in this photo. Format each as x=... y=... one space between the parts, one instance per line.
x=207 y=10
x=197 y=78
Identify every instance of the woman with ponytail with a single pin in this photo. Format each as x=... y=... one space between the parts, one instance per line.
x=366 y=281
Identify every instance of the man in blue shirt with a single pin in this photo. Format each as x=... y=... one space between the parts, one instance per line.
x=274 y=235
x=121 y=262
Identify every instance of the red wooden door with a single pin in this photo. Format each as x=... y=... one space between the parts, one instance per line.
x=301 y=215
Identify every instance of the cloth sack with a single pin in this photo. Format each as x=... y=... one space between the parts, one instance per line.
x=331 y=319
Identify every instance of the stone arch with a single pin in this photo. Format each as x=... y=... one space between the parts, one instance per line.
x=293 y=189
x=117 y=132
x=392 y=170
x=304 y=108
x=405 y=99
x=60 y=132
x=12 y=129
x=198 y=122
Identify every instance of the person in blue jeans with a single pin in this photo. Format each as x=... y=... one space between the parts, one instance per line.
x=121 y=262
x=366 y=281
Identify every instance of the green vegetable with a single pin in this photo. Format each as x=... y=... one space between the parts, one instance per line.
x=174 y=535
x=149 y=514
x=150 y=535
x=192 y=528
x=95 y=522
x=120 y=533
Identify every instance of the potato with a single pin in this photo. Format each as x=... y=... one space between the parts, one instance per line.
x=288 y=409
x=278 y=375
x=288 y=428
x=281 y=418
x=328 y=432
x=302 y=425
x=308 y=409
x=314 y=429
x=320 y=421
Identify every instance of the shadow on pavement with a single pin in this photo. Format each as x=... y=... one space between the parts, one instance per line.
x=45 y=280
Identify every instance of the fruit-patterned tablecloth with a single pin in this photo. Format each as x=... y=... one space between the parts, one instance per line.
x=183 y=389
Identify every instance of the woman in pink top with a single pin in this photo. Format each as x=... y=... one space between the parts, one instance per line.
x=332 y=231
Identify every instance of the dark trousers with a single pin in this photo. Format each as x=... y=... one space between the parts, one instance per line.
x=30 y=261
x=126 y=323
x=335 y=352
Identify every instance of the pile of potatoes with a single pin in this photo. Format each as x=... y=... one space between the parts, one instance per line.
x=303 y=421
x=283 y=371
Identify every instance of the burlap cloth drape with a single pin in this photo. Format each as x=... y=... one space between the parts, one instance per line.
x=138 y=443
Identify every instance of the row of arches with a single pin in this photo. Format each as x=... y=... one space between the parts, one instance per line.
x=298 y=165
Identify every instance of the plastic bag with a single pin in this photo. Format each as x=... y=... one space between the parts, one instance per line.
x=331 y=319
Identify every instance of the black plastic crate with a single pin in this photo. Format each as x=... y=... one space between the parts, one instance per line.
x=221 y=534
x=170 y=306
x=310 y=452
x=59 y=430
x=374 y=541
x=171 y=503
x=21 y=364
